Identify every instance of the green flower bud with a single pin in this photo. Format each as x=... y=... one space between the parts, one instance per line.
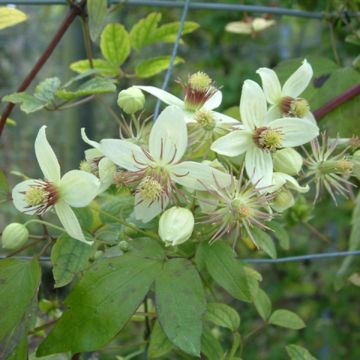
x=176 y=226
x=14 y=236
x=131 y=100
x=287 y=161
x=124 y=245
x=283 y=200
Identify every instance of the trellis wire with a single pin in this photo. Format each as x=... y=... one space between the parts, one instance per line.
x=201 y=6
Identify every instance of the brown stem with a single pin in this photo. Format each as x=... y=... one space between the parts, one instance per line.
x=74 y=12
x=336 y=101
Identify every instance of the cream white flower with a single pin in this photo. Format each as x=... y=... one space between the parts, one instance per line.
x=285 y=100
x=75 y=189
x=159 y=168
x=250 y=26
x=261 y=136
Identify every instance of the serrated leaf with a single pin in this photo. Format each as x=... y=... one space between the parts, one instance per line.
x=103 y=66
x=69 y=257
x=227 y=271
x=100 y=304
x=262 y=304
x=153 y=66
x=115 y=44
x=287 y=319
x=222 y=315
x=97 y=11
x=10 y=17
x=180 y=316
x=297 y=352
x=281 y=234
x=159 y=344
x=210 y=346
x=19 y=281
x=264 y=242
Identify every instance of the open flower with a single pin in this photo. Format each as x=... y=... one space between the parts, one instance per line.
x=200 y=94
x=75 y=189
x=285 y=100
x=159 y=168
x=261 y=136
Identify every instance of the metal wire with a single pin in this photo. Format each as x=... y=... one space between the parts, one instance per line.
x=202 y=6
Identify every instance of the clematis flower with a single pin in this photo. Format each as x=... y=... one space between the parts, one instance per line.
x=249 y=26
x=285 y=100
x=75 y=189
x=261 y=136
x=200 y=94
x=157 y=169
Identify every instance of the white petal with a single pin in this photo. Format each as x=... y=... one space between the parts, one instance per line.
x=252 y=105
x=298 y=81
x=145 y=211
x=273 y=113
x=70 y=222
x=46 y=157
x=280 y=179
x=106 y=174
x=92 y=143
x=309 y=116
x=295 y=131
x=168 y=136
x=239 y=27
x=78 y=188
x=214 y=101
x=91 y=154
x=259 y=166
x=270 y=84
x=198 y=176
x=225 y=119
x=124 y=153
x=189 y=117
x=233 y=144
x=163 y=95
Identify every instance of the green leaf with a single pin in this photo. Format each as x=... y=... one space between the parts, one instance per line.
x=4 y=185
x=110 y=233
x=117 y=206
x=222 y=315
x=115 y=44
x=153 y=66
x=97 y=11
x=264 y=242
x=210 y=346
x=142 y=32
x=69 y=257
x=21 y=350
x=28 y=102
x=10 y=17
x=180 y=304
x=281 y=234
x=235 y=346
x=262 y=304
x=19 y=282
x=104 y=67
x=287 y=319
x=168 y=32
x=100 y=304
x=159 y=344
x=227 y=271
x=297 y=352
x=45 y=91
x=91 y=87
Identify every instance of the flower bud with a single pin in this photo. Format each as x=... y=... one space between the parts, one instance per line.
x=287 y=161
x=131 y=100
x=283 y=200
x=14 y=236
x=176 y=225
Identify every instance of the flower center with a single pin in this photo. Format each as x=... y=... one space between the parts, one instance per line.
x=297 y=107
x=200 y=81
x=268 y=139
x=150 y=189
x=205 y=119
x=241 y=210
x=342 y=166
x=85 y=166
x=35 y=196
x=41 y=196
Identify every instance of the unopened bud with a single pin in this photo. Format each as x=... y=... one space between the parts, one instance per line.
x=14 y=236
x=131 y=100
x=287 y=161
x=124 y=245
x=176 y=225
x=283 y=200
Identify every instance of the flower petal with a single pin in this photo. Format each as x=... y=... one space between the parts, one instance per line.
x=270 y=84
x=259 y=166
x=198 y=176
x=70 y=222
x=106 y=174
x=298 y=81
x=78 y=188
x=168 y=136
x=214 y=101
x=163 y=95
x=145 y=211
x=46 y=157
x=279 y=179
x=310 y=116
x=233 y=144
x=124 y=153
x=92 y=143
x=225 y=119
x=273 y=113
x=295 y=131
x=91 y=154
x=252 y=105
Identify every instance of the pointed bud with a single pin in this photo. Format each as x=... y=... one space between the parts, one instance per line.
x=283 y=200
x=176 y=225
x=14 y=236
x=287 y=161
x=131 y=100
